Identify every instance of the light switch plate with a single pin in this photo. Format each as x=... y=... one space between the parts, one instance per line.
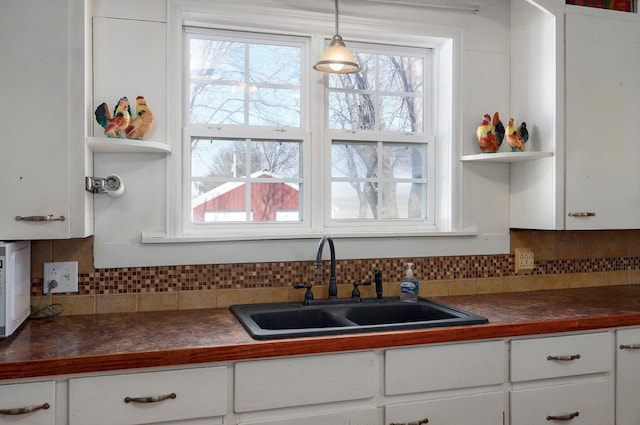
x=64 y=273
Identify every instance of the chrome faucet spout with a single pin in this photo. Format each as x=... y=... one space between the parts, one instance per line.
x=333 y=286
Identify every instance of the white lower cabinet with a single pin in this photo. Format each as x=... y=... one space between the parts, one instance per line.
x=447 y=384
x=31 y=403
x=627 y=376
x=563 y=379
x=171 y=396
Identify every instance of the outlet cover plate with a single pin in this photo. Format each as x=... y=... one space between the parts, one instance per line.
x=65 y=273
x=525 y=262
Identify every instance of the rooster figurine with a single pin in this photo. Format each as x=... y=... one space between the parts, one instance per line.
x=142 y=121
x=498 y=128
x=487 y=137
x=522 y=131
x=113 y=127
x=515 y=137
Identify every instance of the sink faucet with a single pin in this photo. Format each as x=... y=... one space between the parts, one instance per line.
x=333 y=287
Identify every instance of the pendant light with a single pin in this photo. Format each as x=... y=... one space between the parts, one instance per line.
x=337 y=59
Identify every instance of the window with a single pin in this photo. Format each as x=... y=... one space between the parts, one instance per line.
x=255 y=131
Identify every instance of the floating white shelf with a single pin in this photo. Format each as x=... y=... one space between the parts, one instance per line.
x=506 y=156
x=113 y=145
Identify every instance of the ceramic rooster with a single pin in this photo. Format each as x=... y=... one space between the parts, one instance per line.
x=514 y=138
x=498 y=128
x=522 y=131
x=142 y=122
x=114 y=127
x=487 y=138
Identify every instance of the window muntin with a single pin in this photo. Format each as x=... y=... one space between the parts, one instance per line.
x=243 y=82
x=386 y=95
x=246 y=180
x=378 y=181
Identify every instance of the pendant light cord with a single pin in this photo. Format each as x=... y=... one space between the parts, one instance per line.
x=336 y=17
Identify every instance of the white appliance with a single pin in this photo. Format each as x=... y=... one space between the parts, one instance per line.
x=15 y=285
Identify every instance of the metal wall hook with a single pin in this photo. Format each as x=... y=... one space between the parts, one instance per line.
x=112 y=185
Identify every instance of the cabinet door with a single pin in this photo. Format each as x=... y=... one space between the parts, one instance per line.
x=478 y=409
x=602 y=109
x=628 y=377
x=41 y=114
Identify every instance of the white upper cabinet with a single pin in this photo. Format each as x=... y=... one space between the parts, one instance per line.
x=42 y=152
x=602 y=109
x=574 y=73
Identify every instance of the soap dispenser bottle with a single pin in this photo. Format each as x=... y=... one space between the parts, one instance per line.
x=409 y=286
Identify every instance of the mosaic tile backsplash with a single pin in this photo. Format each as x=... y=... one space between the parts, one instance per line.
x=563 y=260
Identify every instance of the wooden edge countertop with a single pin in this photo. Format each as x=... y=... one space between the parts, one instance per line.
x=104 y=342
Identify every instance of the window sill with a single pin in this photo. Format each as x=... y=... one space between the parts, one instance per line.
x=161 y=238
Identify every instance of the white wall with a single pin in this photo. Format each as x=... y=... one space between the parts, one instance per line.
x=141 y=54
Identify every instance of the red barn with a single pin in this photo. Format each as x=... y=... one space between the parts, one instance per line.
x=269 y=201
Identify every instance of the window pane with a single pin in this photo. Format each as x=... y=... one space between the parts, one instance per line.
x=274 y=107
x=352 y=111
x=274 y=64
x=245 y=180
x=216 y=60
x=217 y=104
x=403 y=160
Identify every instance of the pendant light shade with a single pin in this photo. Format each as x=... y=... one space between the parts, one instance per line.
x=337 y=59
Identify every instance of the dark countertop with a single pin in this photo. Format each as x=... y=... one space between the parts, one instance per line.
x=92 y=343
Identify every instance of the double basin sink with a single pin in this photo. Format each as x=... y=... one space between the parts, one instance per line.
x=289 y=320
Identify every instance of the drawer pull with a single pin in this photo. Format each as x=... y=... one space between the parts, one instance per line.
x=150 y=399
x=49 y=217
x=23 y=410
x=564 y=358
x=582 y=214
x=420 y=422
x=630 y=346
x=563 y=417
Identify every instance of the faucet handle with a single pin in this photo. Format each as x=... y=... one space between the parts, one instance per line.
x=356 y=292
x=308 y=295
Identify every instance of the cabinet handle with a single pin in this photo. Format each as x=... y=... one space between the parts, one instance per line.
x=150 y=399
x=564 y=358
x=563 y=417
x=630 y=346
x=582 y=214
x=49 y=217
x=418 y=422
x=23 y=410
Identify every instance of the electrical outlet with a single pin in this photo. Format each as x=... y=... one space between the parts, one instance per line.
x=65 y=274
x=524 y=260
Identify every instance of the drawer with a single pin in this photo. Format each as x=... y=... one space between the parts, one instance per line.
x=171 y=395
x=591 y=400
x=35 y=401
x=300 y=381
x=365 y=416
x=541 y=358
x=439 y=367
x=478 y=409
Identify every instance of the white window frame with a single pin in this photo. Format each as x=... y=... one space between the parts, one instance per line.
x=447 y=215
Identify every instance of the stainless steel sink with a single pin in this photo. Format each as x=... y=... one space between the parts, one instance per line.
x=288 y=320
